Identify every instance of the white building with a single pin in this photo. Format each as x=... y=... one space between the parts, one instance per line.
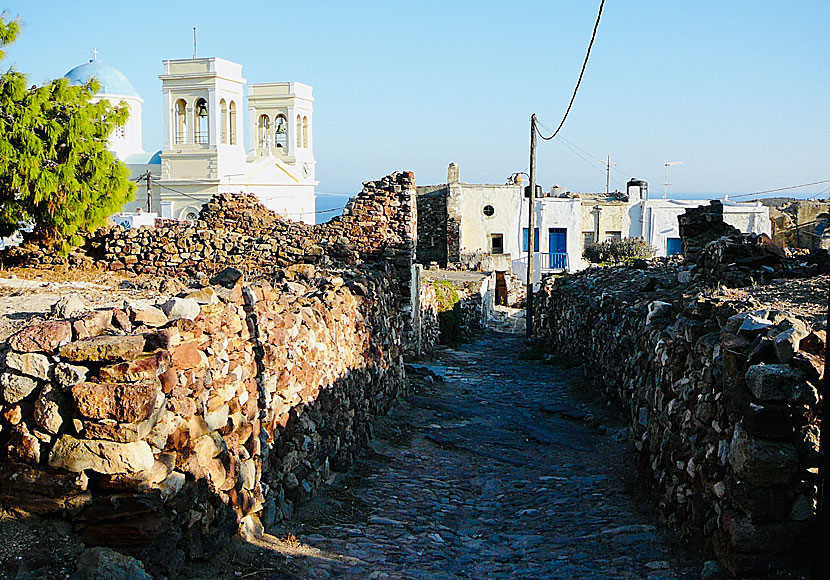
x=655 y=220
x=487 y=225
x=204 y=151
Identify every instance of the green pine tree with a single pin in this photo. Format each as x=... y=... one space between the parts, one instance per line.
x=55 y=170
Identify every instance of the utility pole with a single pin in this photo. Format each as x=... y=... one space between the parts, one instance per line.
x=822 y=516
x=149 y=191
x=608 y=166
x=666 y=184
x=531 y=207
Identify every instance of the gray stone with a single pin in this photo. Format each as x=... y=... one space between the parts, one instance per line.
x=762 y=462
x=29 y=363
x=780 y=382
x=177 y=308
x=786 y=343
x=100 y=456
x=16 y=387
x=48 y=408
x=70 y=306
x=107 y=564
x=67 y=375
x=227 y=277
x=734 y=323
x=752 y=325
x=218 y=418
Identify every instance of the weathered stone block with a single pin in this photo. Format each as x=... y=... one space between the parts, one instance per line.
x=16 y=387
x=140 y=369
x=49 y=409
x=123 y=402
x=786 y=343
x=762 y=462
x=780 y=383
x=112 y=430
x=39 y=490
x=42 y=337
x=67 y=375
x=24 y=446
x=29 y=363
x=101 y=456
x=147 y=316
x=104 y=348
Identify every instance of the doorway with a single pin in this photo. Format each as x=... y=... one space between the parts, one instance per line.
x=501 y=289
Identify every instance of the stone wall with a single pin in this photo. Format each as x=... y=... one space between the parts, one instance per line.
x=432 y=226
x=720 y=394
x=161 y=429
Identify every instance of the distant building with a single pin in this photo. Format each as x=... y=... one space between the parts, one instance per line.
x=800 y=223
x=485 y=225
x=204 y=151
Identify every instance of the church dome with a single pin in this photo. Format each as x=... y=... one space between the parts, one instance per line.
x=112 y=80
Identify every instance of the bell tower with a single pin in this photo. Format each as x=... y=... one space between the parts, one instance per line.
x=280 y=124
x=202 y=101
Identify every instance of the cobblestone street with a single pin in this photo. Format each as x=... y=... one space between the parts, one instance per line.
x=497 y=471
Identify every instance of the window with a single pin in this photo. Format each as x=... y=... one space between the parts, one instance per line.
x=489 y=210
x=232 y=123
x=497 y=244
x=201 y=113
x=305 y=131
x=281 y=132
x=181 y=122
x=588 y=238
x=535 y=239
x=299 y=132
x=223 y=124
x=263 y=131
x=613 y=236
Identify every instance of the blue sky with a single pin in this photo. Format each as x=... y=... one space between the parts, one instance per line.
x=738 y=90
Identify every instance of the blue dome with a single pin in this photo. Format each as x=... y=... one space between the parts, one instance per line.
x=112 y=80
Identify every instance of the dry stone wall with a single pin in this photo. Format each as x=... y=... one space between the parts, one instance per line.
x=165 y=428
x=720 y=393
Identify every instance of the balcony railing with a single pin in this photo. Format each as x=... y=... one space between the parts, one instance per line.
x=555 y=261
x=200 y=137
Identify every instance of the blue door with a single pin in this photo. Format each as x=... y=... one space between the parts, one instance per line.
x=673 y=247
x=558 y=248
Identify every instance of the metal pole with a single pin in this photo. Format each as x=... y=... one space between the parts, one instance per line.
x=607 y=175
x=531 y=203
x=149 y=192
x=822 y=534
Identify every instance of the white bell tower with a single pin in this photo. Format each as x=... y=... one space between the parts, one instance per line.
x=280 y=124
x=203 y=124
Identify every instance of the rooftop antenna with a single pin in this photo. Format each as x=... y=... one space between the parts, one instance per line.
x=194 y=42
x=608 y=166
x=666 y=184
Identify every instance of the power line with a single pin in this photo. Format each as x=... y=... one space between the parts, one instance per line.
x=782 y=188
x=579 y=81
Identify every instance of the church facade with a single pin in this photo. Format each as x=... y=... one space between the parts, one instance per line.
x=204 y=151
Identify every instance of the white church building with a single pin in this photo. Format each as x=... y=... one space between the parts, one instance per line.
x=204 y=151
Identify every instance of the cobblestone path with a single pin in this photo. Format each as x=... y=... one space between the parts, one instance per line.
x=493 y=473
